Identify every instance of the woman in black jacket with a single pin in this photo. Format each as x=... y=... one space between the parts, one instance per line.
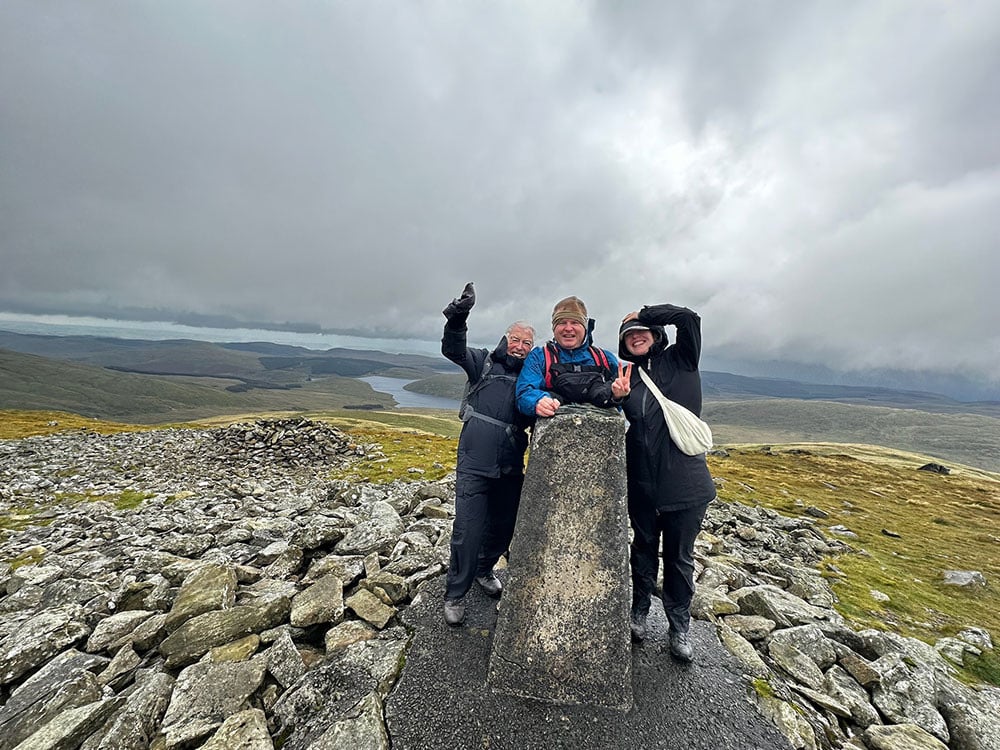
x=668 y=491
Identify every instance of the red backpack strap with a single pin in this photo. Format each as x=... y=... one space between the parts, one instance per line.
x=600 y=358
x=551 y=357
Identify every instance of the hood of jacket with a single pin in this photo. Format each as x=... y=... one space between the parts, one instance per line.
x=660 y=343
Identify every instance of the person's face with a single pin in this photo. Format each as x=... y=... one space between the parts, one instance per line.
x=569 y=334
x=519 y=342
x=638 y=342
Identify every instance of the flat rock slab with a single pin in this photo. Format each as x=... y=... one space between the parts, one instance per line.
x=442 y=700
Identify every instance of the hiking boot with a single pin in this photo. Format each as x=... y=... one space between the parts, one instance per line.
x=680 y=647
x=454 y=612
x=490 y=584
x=637 y=624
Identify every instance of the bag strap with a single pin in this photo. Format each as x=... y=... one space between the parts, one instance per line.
x=471 y=388
x=689 y=432
x=470 y=413
x=551 y=358
x=600 y=358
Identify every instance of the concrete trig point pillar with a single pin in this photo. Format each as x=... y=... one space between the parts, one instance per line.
x=562 y=632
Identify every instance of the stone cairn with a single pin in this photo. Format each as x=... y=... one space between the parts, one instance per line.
x=248 y=601
x=288 y=442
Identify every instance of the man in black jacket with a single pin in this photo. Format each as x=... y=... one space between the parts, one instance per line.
x=490 y=468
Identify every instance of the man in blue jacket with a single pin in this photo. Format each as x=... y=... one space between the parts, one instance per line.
x=569 y=369
x=490 y=467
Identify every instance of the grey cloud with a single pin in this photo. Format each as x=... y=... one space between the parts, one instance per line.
x=789 y=170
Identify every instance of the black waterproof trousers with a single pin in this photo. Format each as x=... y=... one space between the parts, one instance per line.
x=485 y=512
x=678 y=530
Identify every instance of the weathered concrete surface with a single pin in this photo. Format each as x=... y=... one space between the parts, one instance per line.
x=562 y=632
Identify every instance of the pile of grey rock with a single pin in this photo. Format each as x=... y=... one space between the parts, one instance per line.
x=250 y=601
x=822 y=683
x=289 y=442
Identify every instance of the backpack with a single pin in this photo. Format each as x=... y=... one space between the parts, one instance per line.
x=473 y=388
x=575 y=384
x=552 y=358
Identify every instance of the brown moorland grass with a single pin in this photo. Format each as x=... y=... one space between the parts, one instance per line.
x=20 y=423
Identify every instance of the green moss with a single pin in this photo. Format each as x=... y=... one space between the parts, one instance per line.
x=31 y=556
x=77 y=497
x=21 y=517
x=131 y=499
x=985 y=668
x=403 y=449
x=763 y=688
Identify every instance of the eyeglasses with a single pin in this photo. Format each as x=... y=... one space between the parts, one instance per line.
x=516 y=340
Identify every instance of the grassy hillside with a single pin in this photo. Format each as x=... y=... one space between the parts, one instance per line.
x=255 y=365
x=313 y=382
x=910 y=525
x=443 y=385
x=943 y=433
x=30 y=382
x=966 y=438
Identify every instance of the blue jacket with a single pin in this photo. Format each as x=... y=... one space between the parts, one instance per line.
x=531 y=382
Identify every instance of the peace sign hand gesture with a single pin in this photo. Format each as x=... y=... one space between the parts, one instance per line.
x=621 y=386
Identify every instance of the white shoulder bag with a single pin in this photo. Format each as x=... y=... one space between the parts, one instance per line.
x=689 y=433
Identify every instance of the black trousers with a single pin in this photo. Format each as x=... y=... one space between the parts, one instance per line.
x=485 y=512
x=678 y=530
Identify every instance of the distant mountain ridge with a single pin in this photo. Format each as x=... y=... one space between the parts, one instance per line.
x=185 y=380
x=724 y=386
x=953 y=385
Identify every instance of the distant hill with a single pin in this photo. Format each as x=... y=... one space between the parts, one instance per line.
x=100 y=380
x=726 y=386
x=723 y=386
x=970 y=439
x=28 y=381
x=766 y=410
x=255 y=364
x=411 y=361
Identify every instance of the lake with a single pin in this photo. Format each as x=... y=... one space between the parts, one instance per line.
x=394 y=387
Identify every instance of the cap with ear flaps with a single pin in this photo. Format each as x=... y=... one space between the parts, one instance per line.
x=571 y=308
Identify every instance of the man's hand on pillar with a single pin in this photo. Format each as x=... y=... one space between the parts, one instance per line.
x=546 y=406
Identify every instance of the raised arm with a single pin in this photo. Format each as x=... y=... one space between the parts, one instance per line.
x=454 y=339
x=688 y=324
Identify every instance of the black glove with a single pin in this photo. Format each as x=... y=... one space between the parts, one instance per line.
x=460 y=306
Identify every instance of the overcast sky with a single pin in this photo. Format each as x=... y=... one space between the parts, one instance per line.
x=819 y=180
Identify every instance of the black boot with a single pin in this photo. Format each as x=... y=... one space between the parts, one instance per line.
x=637 y=624
x=680 y=647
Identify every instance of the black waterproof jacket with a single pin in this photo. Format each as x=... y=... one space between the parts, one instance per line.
x=485 y=447
x=659 y=474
